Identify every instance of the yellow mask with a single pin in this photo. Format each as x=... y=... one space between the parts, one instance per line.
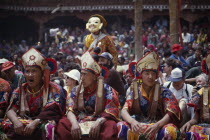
x=94 y=24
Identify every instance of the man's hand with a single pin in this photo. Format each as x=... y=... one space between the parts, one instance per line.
x=95 y=129
x=153 y=129
x=19 y=128
x=76 y=131
x=135 y=126
x=29 y=129
x=185 y=127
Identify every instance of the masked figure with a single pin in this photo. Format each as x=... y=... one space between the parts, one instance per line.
x=98 y=38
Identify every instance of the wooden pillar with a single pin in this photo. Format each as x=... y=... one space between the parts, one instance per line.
x=138 y=31
x=174 y=25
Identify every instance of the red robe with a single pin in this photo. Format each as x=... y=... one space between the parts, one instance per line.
x=108 y=128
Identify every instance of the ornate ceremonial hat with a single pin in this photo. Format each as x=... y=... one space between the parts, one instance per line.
x=33 y=57
x=150 y=61
x=205 y=64
x=88 y=63
x=103 y=20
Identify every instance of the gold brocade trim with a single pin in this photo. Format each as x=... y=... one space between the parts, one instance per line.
x=89 y=39
x=125 y=108
x=144 y=93
x=112 y=115
x=69 y=110
x=174 y=113
x=86 y=126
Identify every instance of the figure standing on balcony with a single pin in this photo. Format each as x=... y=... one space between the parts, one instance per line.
x=97 y=37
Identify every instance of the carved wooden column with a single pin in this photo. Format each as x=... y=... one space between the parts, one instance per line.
x=174 y=25
x=138 y=31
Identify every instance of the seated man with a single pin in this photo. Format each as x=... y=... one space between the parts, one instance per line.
x=12 y=77
x=113 y=79
x=150 y=111
x=36 y=102
x=182 y=92
x=176 y=54
x=93 y=107
x=199 y=126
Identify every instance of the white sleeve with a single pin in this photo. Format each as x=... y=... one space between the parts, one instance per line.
x=128 y=91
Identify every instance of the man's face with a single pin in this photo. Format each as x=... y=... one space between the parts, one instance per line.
x=94 y=24
x=178 y=85
x=33 y=76
x=167 y=69
x=197 y=53
x=200 y=81
x=129 y=78
x=148 y=78
x=10 y=73
x=60 y=72
x=15 y=56
x=87 y=78
x=103 y=61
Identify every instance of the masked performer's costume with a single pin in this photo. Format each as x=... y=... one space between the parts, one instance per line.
x=98 y=38
x=42 y=108
x=90 y=105
x=149 y=108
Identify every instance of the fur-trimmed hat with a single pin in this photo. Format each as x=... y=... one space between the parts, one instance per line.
x=150 y=61
x=34 y=58
x=88 y=63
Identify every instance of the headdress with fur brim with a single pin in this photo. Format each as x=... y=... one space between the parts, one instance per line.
x=150 y=61
x=48 y=65
x=34 y=58
x=103 y=20
x=88 y=63
x=205 y=64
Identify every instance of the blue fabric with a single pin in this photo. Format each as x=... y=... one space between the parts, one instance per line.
x=180 y=58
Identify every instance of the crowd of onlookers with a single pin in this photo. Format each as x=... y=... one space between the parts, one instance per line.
x=66 y=47
x=180 y=65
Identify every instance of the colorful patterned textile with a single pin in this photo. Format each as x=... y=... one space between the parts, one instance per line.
x=111 y=103
x=5 y=90
x=108 y=130
x=106 y=44
x=52 y=111
x=169 y=130
x=35 y=103
x=167 y=104
x=200 y=131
